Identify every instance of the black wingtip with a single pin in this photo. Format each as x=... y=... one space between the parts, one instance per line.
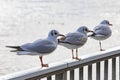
x=18 y=48
x=58 y=41
x=13 y=50
x=91 y=35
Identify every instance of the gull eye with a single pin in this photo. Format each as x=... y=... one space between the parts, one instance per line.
x=107 y=22
x=86 y=29
x=55 y=33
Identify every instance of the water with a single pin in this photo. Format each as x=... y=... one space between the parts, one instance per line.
x=24 y=21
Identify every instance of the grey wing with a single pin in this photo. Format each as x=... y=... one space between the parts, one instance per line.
x=75 y=39
x=97 y=28
x=40 y=46
x=102 y=30
x=83 y=40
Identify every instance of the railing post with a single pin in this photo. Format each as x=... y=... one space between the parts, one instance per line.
x=113 y=68
x=72 y=75
x=49 y=78
x=61 y=76
x=90 y=72
x=119 y=67
x=106 y=70
x=65 y=75
x=98 y=71
x=80 y=73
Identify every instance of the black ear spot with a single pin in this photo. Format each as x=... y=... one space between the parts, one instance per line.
x=52 y=34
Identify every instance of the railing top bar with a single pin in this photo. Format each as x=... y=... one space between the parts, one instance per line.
x=34 y=72
x=97 y=57
x=62 y=65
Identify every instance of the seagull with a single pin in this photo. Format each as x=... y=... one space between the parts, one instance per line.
x=75 y=40
x=102 y=32
x=39 y=47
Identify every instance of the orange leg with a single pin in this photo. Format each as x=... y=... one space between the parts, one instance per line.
x=73 y=54
x=77 y=55
x=43 y=65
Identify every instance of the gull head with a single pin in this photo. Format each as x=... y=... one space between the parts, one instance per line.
x=106 y=22
x=83 y=29
x=54 y=34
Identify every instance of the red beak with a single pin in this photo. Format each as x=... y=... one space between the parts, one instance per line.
x=61 y=35
x=111 y=24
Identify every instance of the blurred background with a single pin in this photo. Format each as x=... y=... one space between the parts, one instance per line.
x=23 y=21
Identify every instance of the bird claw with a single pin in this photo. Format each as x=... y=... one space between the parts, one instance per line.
x=102 y=50
x=78 y=58
x=44 y=65
x=73 y=57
